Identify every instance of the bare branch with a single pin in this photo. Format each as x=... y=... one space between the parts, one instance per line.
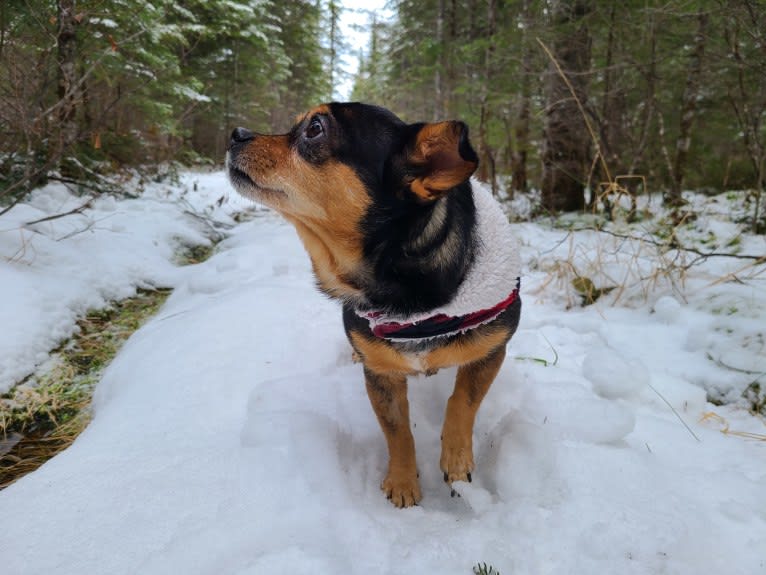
x=674 y=245
x=77 y=210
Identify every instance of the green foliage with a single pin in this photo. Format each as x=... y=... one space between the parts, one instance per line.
x=481 y=62
x=307 y=79
x=166 y=79
x=484 y=569
x=156 y=80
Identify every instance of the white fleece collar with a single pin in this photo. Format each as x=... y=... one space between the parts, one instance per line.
x=490 y=281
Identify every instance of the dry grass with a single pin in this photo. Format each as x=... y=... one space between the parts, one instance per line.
x=723 y=426
x=44 y=414
x=610 y=194
x=624 y=266
x=634 y=262
x=22 y=454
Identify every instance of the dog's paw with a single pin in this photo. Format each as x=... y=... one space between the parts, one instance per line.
x=456 y=463
x=402 y=490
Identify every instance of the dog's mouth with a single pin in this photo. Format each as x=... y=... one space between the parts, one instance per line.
x=246 y=186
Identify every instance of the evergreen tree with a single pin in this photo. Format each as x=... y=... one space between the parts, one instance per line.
x=674 y=91
x=147 y=81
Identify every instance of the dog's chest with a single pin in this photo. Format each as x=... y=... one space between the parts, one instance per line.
x=419 y=363
x=383 y=357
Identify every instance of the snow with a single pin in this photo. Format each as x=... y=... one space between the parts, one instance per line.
x=191 y=94
x=668 y=309
x=52 y=272
x=232 y=433
x=105 y=22
x=612 y=376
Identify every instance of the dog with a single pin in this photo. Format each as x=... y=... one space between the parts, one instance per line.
x=424 y=263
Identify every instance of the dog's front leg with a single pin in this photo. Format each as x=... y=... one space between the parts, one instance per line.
x=388 y=395
x=472 y=384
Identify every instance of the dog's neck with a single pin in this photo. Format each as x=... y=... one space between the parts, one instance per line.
x=334 y=260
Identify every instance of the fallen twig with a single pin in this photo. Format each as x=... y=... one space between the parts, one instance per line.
x=674 y=246
x=77 y=210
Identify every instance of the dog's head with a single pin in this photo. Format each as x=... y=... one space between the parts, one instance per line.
x=339 y=164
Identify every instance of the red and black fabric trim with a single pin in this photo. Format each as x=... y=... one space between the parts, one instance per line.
x=438 y=325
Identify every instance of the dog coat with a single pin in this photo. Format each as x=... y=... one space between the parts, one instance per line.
x=490 y=286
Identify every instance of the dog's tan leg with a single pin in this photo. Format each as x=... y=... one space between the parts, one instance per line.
x=473 y=381
x=388 y=395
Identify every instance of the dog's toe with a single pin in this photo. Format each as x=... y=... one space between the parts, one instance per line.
x=402 y=491
x=457 y=464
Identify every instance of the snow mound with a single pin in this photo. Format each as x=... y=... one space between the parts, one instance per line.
x=667 y=309
x=613 y=376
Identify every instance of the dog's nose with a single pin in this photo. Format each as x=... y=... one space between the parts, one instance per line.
x=240 y=135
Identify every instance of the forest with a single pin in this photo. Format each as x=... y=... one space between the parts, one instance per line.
x=576 y=99
x=177 y=396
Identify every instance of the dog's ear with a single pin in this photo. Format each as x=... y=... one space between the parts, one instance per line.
x=440 y=157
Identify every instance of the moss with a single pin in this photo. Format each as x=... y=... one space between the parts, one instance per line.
x=755 y=395
x=196 y=254
x=588 y=290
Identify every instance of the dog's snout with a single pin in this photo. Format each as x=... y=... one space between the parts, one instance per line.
x=240 y=135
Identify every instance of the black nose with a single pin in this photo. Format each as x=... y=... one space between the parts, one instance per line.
x=240 y=135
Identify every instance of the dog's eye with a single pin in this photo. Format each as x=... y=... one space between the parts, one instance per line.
x=315 y=129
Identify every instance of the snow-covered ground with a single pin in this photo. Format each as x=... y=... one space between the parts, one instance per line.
x=53 y=271
x=232 y=433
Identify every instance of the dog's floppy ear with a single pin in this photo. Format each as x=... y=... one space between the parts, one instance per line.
x=440 y=158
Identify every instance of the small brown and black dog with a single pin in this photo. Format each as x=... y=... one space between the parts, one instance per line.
x=418 y=257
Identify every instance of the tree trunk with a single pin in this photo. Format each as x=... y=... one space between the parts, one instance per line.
x=486 y=159
x=451 y=80
x=440 y=109
x=69 y=90
x=611 y=120
x=688 y=112
x=521 y=126
x=649 y=108
x=566 y=139
x=3 y=24
x=334 y=14
x=748 y=98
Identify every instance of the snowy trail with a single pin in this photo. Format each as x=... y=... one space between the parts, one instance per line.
x=233 y=435
x=52 y=272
